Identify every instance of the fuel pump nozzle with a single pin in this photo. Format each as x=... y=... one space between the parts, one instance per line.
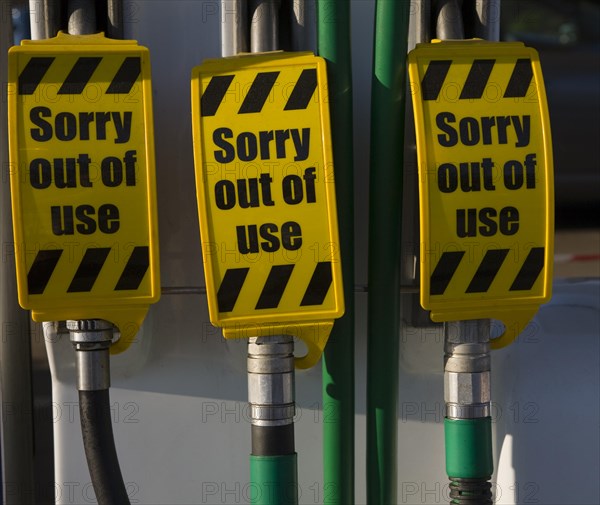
x=273 y=466
x=468 y=425
x=91 y=339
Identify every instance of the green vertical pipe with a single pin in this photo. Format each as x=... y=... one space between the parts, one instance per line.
x=385 y=207
x=273 y=480
x=333 y=18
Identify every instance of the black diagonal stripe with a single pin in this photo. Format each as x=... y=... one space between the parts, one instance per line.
x=274 y=287
x=258 y=92
x=434 y=77
x=230 y=288
x=135 y=269
x=33 y=73
x=520 y=79
x=41 y=270
x=79 y=75
x=530 y=271
x=303 y=90
x=319 y=285
x=477 y=79
x=444 y=271
x=214 y=93
x=126 y=76
x=89 y=269
x=487 y=271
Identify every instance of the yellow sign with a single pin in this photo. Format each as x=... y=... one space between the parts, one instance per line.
x=266 y=197
x=486 y=182
x=82 y=180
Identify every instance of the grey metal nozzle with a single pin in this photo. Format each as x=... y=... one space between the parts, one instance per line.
x=271 y=380
x=467 y=365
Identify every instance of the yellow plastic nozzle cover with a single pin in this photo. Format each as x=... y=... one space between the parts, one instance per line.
x=485 y=181
x=82 y=180
x=266 y=197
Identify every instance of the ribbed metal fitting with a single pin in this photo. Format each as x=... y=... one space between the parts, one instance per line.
x=272 y=415
x=467 y=357
x=467 y=388
x=90 y=331
x=271 y=380
x=467 y=365
x=456 y=411
x=467 y=332
x=91 y=339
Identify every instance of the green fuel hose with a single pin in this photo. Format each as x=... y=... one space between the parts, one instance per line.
x=273 y=480
x=385 y=204
x=338 y=359
x=469 y=460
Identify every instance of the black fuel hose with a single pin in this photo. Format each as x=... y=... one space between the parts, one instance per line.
x=99 y=445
